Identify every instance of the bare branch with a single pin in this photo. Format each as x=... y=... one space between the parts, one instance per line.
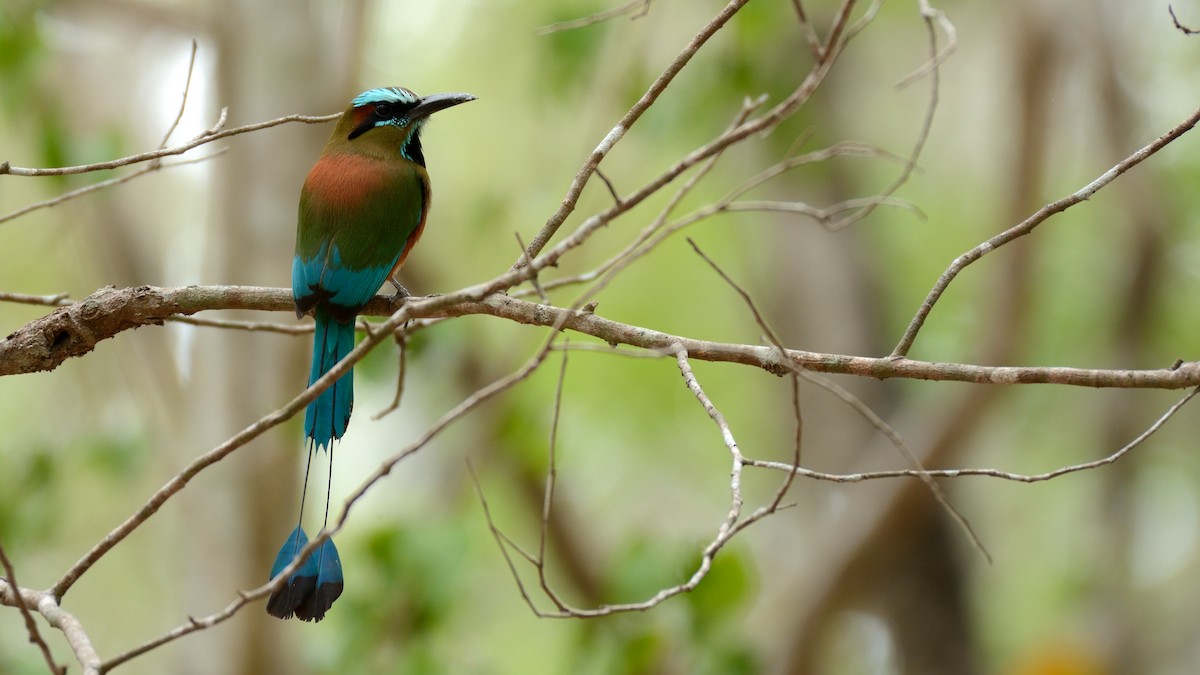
x=988 y=473
x=735 y=483
x=214 y=133
x=401 y=371
x=151 y=167
x=933 y=16
x=809 y=32
x=1182 y=28
x=824 y=216
x=47 y=605
x=628 y=8
x=32 y=347
x=548 y=494
x=35 y=636
x=635 y=249
x=611 y=189
x=187 y=87
x=1029 y=224
x=935 y=58
x=57 y=300
x=643 y=104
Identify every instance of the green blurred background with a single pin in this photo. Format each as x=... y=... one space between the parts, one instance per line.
x=1097 y=572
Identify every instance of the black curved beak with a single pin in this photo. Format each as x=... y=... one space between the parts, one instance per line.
x=435 y=102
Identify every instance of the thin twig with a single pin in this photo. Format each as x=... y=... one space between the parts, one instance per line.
x=401 y=372
x=809 y=32
x=250 y=326
x=187 y=87
x=628 y=120
x=35 y=636
x=631 y=251
x=855 y=404
x=57 y=300
x=612 y=190
x=735 y=482
x=935 y=58
x=797 y=444
x=598 y=17
x=535 y=281
x=987 y=473
x=47 y=605
x=1029 y=224
x=1180 y=26
x=823 y=216
x=503 y=542
x=551 y=478
x=933 y=16
x=151 y=167
x=214 y=133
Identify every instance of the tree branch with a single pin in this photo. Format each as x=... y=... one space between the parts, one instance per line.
x=18 y=599
x=214 y=133
x=1027 y=226
x=987 y=473
x=75 y=329
x=614 y=136
x=47 y=605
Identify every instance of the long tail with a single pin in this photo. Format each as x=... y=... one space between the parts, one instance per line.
x=327 y=416
x=311 y=590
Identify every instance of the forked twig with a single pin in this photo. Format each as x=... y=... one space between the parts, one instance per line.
x=855 y=404
x=35 y=636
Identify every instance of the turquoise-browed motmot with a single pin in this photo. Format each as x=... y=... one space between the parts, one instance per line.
x=362 y=209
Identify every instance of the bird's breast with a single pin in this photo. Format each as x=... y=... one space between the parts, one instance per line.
x=349 y=181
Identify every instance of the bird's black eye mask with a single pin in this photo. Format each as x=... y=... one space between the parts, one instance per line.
x=385 y=113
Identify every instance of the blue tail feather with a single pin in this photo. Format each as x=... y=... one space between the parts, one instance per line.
x=329 y=414
x=312 y=589
x=329 y=584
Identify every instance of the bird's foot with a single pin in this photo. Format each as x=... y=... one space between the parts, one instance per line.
x=401 y=293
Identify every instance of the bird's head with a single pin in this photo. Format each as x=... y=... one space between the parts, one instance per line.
x=390 y=118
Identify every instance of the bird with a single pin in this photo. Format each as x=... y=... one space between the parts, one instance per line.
x=363 y=208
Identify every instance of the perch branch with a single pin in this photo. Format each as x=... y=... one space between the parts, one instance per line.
x=75 y=329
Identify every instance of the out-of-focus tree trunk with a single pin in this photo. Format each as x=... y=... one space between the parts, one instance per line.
x=274 y=58
x=1129 y=650
x=905 y=569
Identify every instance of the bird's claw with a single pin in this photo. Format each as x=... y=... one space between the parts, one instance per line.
x=401 y=293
